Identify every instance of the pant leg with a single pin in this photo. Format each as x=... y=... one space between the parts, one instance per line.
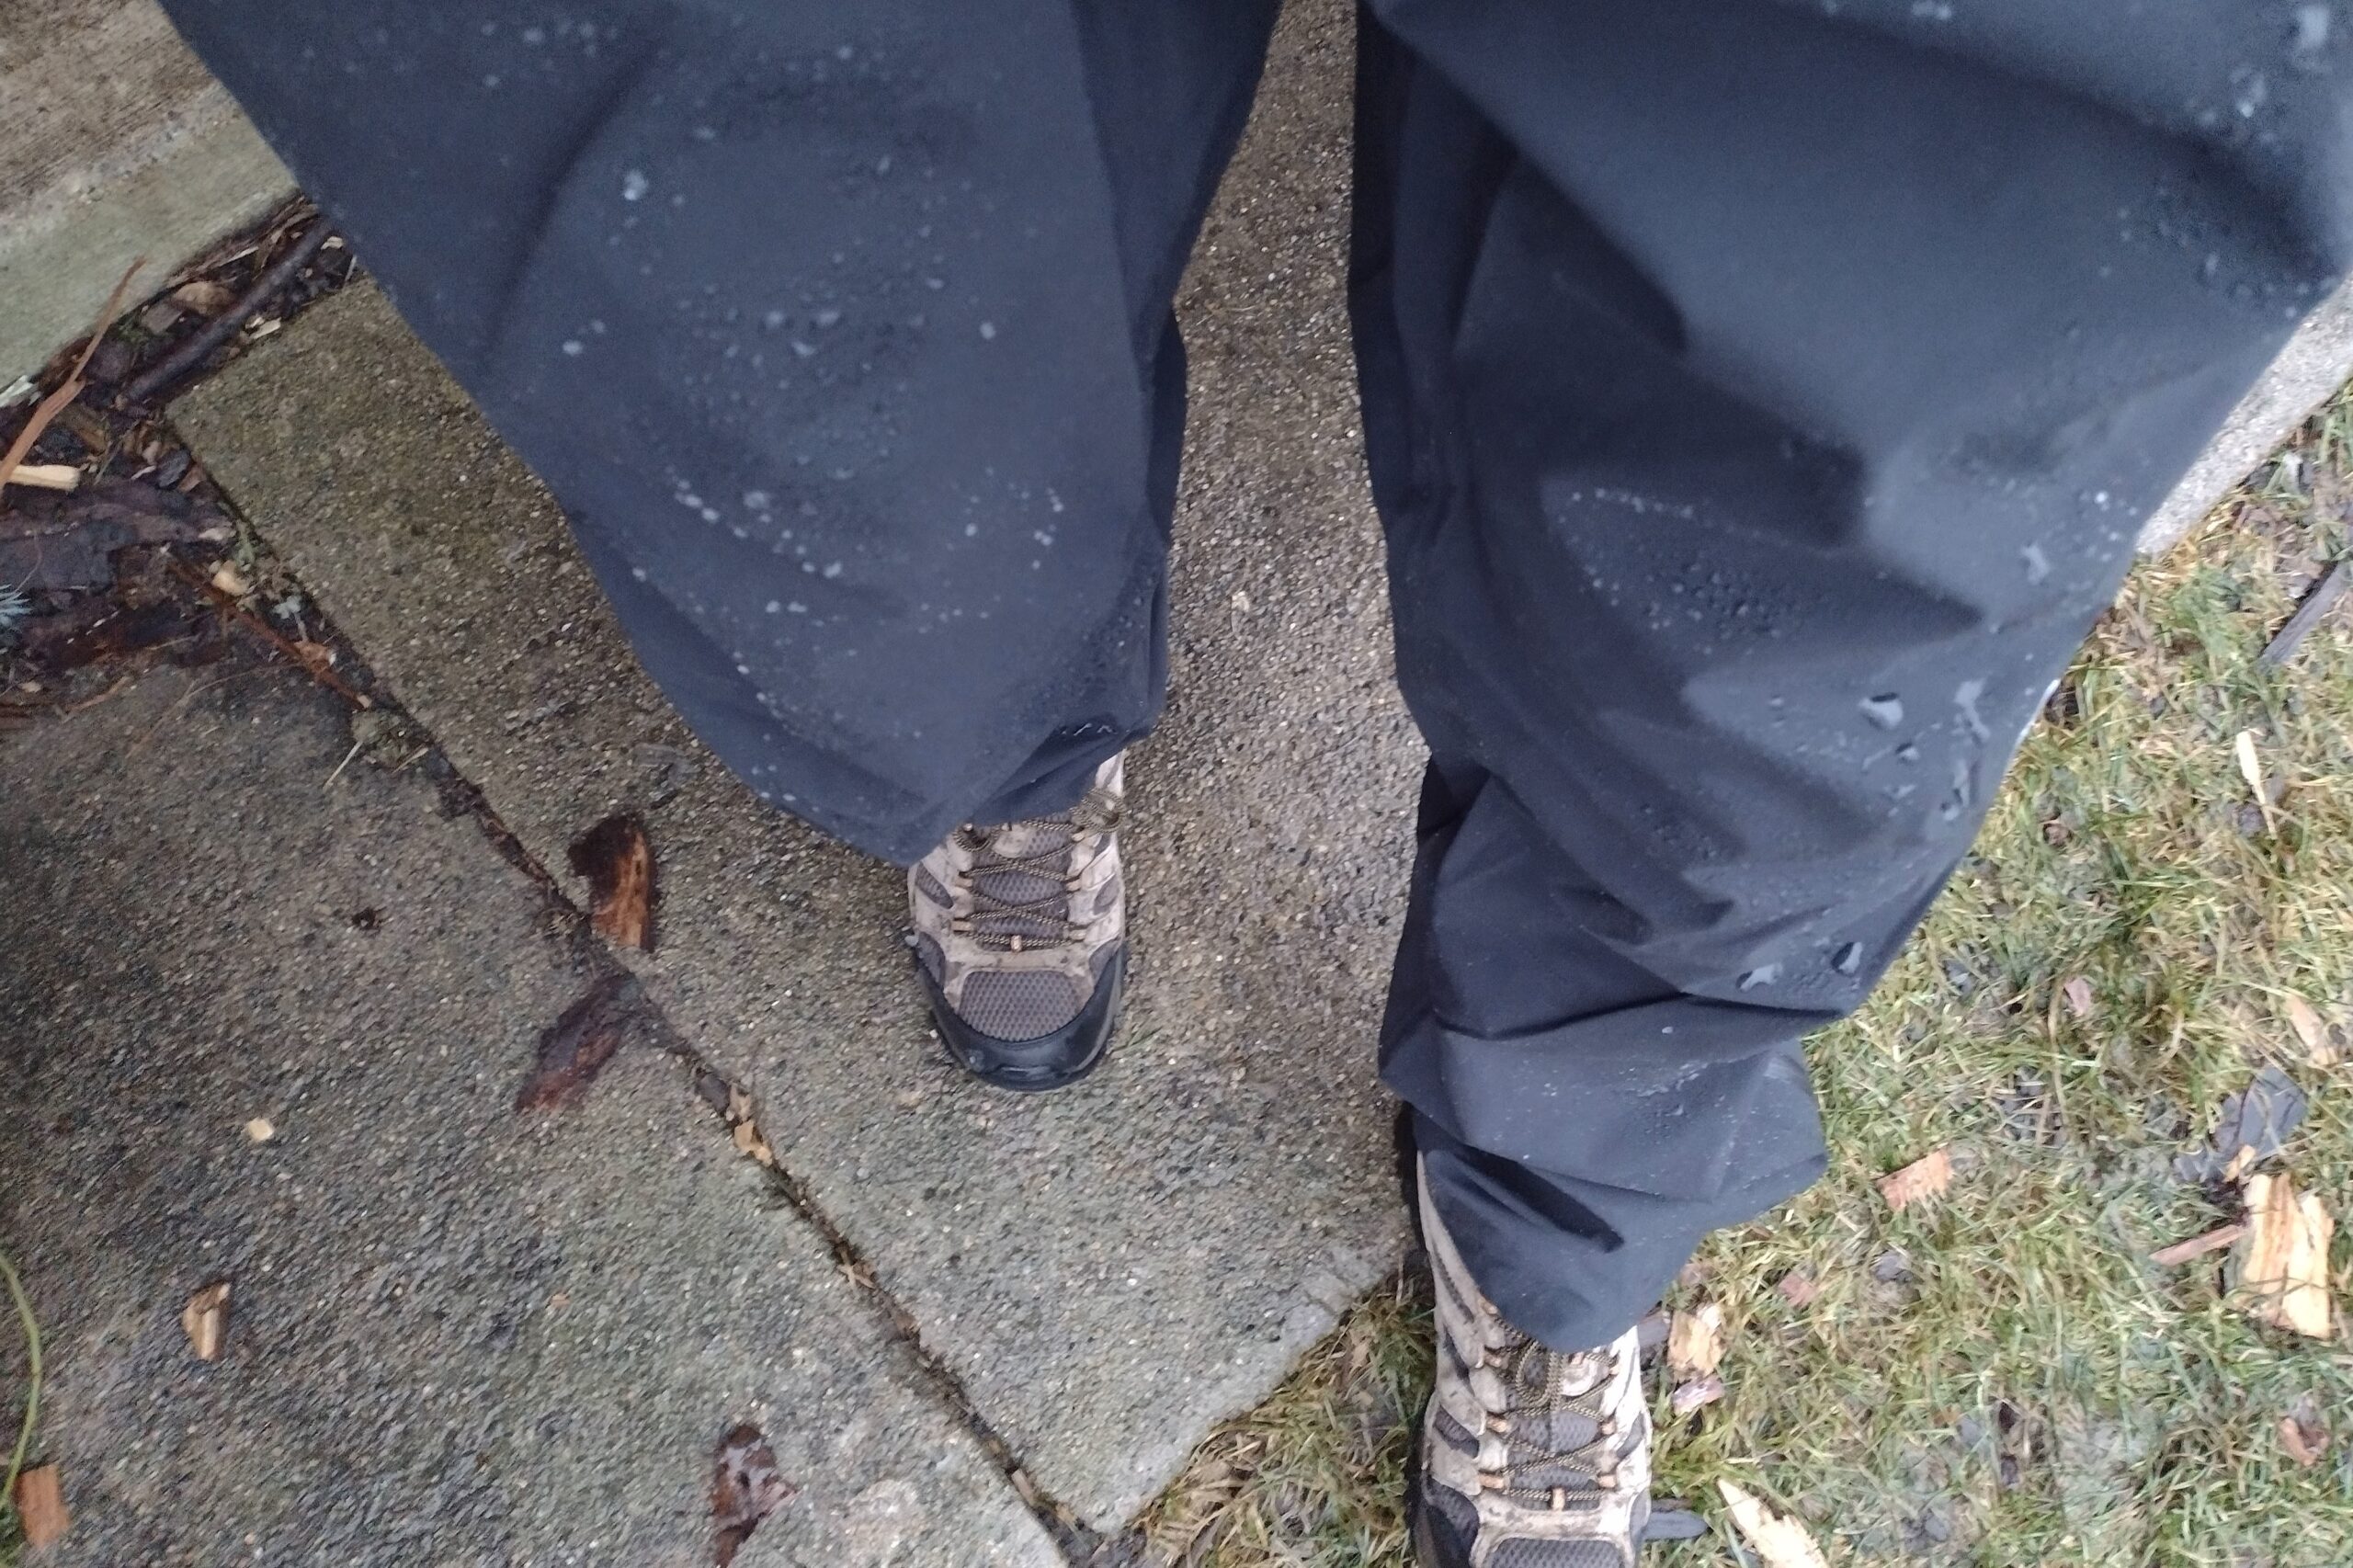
x=1762 y=400
x=843 y=333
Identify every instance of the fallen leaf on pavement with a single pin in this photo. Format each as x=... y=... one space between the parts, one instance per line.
x=2197 y=1246
x=1695 y=1340
x=2078 y=993
x=617 y=862
x=2305 y=1019
x=2284 y=1271
x=205 y=1320
x=745 y=1487
x=41 y=1506
x=1925 y=1177
x=2259 y=1116
x=1779 y=1541
x=1693 y=1395
x=576 y=1046
x=744 y=1130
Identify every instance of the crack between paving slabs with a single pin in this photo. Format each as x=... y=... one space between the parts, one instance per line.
x=729 y=1103
x=613 y=998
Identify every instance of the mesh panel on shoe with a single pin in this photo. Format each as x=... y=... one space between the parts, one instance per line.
x=1557 y=1554
x=1017 y=1004
x=928 y=885
x=933 y=961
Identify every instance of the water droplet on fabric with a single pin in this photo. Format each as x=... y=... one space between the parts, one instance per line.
x=1885 y=710
x=1765 y=974
x=1849 y=959
x=2038 y=565
x=634 y=185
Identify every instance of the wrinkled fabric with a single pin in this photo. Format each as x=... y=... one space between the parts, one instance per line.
x=1761 y=400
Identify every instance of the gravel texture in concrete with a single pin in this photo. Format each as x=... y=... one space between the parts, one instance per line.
x=456 y=1334
x=1108 y=1270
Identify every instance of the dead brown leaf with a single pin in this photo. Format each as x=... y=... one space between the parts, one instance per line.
x=575 y=1049
x=745 y=1487
x=1695 y=1340
x=2078 y=994
x=2305 y=1441
x=1925 y=1177
x=203 y=295
x=2197 y=1247
x=1779 y=1541
x=618 y=862
x=1797 y=1287
x=41 y=1506
x=2284 y=1268
x=1696 y=1394
x=2320 y=1049
x=205 y=1319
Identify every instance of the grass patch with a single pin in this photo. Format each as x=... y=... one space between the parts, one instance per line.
x=2003 y=1376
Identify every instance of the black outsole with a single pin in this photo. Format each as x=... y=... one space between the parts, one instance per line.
x=1035 y=1067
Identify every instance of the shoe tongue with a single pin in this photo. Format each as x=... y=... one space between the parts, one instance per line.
x=1044 y=846
x=1547 y=1427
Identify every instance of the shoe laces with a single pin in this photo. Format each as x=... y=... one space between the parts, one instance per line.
x=1022 y=876
x=1566 y=1420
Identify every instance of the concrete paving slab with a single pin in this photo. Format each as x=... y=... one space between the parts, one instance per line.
x=115 y=142
x=1108 y=1271
x=457 y=1334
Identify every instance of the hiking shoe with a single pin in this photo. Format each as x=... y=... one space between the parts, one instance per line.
x=1531 y=1458
x=1020 y=932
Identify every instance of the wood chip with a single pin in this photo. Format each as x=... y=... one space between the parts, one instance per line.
x=260 y=1130
x=41 y=1506
x=2306 y=1445
x=47 y=476
x=618 y=862
x=1925 y=1177
x=231 y=582
x=2182 y=1251
x=1695 y=1340
x=1696 y=1394
x=2078 y=995
x=2319 y=1048
x=2283 y=1271
x=205 y=1320
x=1778 y=1540
x=2251 y=769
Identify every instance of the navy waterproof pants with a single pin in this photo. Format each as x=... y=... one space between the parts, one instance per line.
x=1761 y=398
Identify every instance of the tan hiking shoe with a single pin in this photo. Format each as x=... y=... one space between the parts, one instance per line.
x=1020 y=931
x=1531 y=1458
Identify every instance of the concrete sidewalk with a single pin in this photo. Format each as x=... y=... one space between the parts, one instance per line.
x=458 y=1333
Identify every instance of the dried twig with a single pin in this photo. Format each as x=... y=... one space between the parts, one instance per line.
x=71 y=387
x=199 y=346
x=2311 y=613
x=277 y=639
